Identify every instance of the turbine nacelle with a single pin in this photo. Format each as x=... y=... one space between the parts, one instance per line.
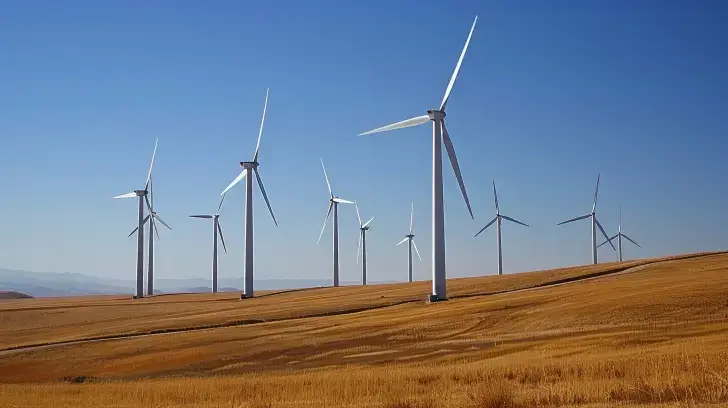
x=249 y=164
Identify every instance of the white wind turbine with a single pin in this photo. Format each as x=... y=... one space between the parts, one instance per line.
x=498 y=221
x=216 y=229
x=142 y=194
x=333 y=204
x=411 y=238
x=594 y=224
x=154 y=216
x=362 y=246
x=619 y=237
x=439 y=136
x=249 y=168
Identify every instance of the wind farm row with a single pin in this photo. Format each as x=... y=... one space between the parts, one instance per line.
x=250 y=170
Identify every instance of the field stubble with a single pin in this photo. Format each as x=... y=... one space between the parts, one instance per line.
x=655 y=336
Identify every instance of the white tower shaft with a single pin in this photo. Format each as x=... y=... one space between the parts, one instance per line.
x=500 y=248
x=140 y=250
x=214 y=255
x=364 y=257
x=336 y=244
x=439 y=275
x=248 y=288
x=409 y=258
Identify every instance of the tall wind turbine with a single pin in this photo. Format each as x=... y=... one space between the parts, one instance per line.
x=619 y=237
x=153 y=215
x=594 y=224
x=411 y=238
x=498 y=221
x=333 y=204
x=142 y=194
x=248 y=168
x=215 y=230
x=362 y=246
x=439 y=135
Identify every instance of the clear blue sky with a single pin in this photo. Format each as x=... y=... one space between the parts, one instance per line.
x=550 y=94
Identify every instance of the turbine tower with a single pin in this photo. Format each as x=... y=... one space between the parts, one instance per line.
x=250 y=167
x=215 y=230
x=142 y=195
x=411 y=238
x=594 y=224
x=498 y=221
x=333 y=204
x=439 y=136
x=362 y=246
x=619 y=237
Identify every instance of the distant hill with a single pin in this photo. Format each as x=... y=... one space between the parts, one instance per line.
x=13 y=295
x=48 y=284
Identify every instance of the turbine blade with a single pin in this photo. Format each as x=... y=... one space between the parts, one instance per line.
x=514 y=220
x=236 y=181
x=357 y=214
x=412 y=217
x=596 y=193
x=402 y=241
x=262 y=121
x=600 y=245
x=604 y=233
x=416 y=251
x=457 y=67
x=631 y=240
x=222 y=238
x=149 y=175
x=328 y=214
x=455 y=167
x=220 y=205
x=575 y=219
x=133 y=231
x=342 y=201
x=149 y=206
x=327 y=178
x=156 y=215
x=200 y=216
x=367 y=223
x=265 y=196
x=156 y=230
x=358 y=247
x=495 y=195
x=127 y=195
x=400 y=125
x=486 y=226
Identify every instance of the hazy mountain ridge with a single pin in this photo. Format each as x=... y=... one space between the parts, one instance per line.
x=45 y=284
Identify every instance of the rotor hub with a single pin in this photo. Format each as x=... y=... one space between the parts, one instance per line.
x=436 y=114
x=140 y=193
x=249 y=164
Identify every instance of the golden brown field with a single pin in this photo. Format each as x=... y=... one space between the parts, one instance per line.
x=627 y=334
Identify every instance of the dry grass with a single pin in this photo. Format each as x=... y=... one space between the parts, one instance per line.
x=655 y=335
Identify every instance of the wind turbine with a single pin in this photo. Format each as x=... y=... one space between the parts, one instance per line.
x=333 y=204
x=248 y=168
x=363 y=228
x=498 y=221
x=142 y=194
x=152 y=229
x=215 y=229
x=594 y=224
x=411 y=238
x=439 y=135
x=619 y=237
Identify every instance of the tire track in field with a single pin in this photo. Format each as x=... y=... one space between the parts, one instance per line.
x=246 y=322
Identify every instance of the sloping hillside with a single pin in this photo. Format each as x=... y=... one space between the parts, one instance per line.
x=650 y=331
x=13 y=295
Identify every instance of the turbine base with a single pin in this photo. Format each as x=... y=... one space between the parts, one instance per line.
x=244 y=296
x=434 y=298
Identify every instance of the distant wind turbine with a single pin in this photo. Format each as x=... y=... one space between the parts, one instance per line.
x=362 y=246
x=216 y=229
x=619 y=237
x=594 y=224
x=411 y=238
x=248 y=168
x=439 y=136
x=154 y=216
x=333 y=204
x=142 y=194
x=497 y=220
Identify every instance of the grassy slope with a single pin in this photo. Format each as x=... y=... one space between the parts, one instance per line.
x=654 y=335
